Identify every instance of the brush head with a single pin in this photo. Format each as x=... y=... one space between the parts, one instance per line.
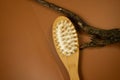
x=65 y=36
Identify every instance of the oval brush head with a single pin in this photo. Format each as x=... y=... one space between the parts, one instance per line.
x=66 y=43
x=65 y=36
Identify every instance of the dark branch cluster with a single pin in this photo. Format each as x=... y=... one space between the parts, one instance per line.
x=100 y=37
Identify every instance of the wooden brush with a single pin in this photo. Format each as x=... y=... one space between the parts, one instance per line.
x=67 y=45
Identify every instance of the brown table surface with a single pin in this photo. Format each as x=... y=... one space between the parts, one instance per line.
x=27 y=51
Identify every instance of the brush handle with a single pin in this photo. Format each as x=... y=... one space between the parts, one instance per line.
x=73 y=73
x=71 y=65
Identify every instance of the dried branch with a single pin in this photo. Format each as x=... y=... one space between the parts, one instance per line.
x=101 y=37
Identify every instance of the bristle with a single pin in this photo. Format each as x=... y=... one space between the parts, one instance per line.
x=65 y=36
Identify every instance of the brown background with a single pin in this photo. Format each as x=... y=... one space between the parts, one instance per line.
x=27 y=51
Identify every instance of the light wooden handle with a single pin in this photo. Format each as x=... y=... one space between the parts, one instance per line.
x=73 y=74
x=71 y=65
